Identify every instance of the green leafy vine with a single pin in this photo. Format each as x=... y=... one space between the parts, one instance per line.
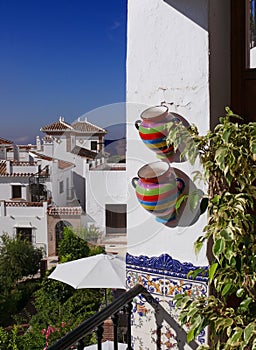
x=228 y=158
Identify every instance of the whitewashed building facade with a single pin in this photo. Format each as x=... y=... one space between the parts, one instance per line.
x=178 y=55
x=52 y=187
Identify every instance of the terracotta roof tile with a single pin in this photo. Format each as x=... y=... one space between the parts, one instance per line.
x=3 y=168
x=23 y=204
x=22 y=163
x=3 y=171
x=27 y=147
x=65 y=211
x=62 y=164
x=48 y=138
x=84 y=152
x=59 y=126
x=87 y=127
x=5 y=142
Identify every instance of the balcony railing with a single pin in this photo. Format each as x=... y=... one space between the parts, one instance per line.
x=123 y=302
x=23 y=204
x=64 y=211
x=23 y=163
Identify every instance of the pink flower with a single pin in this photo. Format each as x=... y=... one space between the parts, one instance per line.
x=48 y=332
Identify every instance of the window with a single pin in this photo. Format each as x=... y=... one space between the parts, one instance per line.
x=25 y=233
x=94 y=145
x=16 y=191
x=61 y=187
x=116 y=218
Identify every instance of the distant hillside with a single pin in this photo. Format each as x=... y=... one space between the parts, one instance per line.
x=115 y=140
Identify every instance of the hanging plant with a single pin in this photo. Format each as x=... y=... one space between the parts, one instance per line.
x=228 y=158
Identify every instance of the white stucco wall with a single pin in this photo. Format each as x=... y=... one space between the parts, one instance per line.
x=85 y=141
x=6 y=183
x=60 y=146
x=104 y=187
x=34 y=217
x=168 y=56
x=2 y=152
x=167 y=60
x=57 y=176
x=31 y=169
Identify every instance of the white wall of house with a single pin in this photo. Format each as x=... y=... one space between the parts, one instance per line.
x=73 y=141
x=104 y=187
x=178 y=51
x=12 y=217
x=3 y=153
x=23 y=156
x=6 y=184
x=60 y=179
x=167 y=60
x=48 y=148
x=24 y=168
x=85 y=141
x=58 y=148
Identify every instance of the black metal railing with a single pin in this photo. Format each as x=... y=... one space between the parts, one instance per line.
x=36 y=184
x=96 y=322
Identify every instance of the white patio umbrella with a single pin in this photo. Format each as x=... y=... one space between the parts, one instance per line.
x=97 y=271
x=107 y=345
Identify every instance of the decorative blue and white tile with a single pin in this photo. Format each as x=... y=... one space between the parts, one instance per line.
x=163 y=277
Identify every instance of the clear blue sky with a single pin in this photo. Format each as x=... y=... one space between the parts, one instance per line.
x=59 y=58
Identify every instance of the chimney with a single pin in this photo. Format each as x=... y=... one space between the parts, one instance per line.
x=48 y=147
x=38 y=144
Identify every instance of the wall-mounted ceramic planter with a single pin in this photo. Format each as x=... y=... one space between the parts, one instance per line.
x=154 y=127
x=157 y=190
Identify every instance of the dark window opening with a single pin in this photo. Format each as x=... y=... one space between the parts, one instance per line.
x=16 y=191
x=116 y=218
x=25 y=233
x=94 y=145
x=61 y=187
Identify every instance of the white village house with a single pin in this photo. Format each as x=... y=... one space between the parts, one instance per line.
x=51 y=187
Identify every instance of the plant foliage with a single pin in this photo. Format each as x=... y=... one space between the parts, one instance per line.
x=54 y=307
x=228 y=158
x=18 y=259
x=72 y=247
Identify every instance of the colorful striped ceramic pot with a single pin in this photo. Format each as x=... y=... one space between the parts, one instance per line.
x=154 y=127
x=157 y=190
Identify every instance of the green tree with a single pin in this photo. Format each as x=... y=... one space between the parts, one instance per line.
x=71 y=246
x=59 y=307
x=227 y=155
x=94 y=250
x=18 y=259
x=62 y=308
x=91 y=234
